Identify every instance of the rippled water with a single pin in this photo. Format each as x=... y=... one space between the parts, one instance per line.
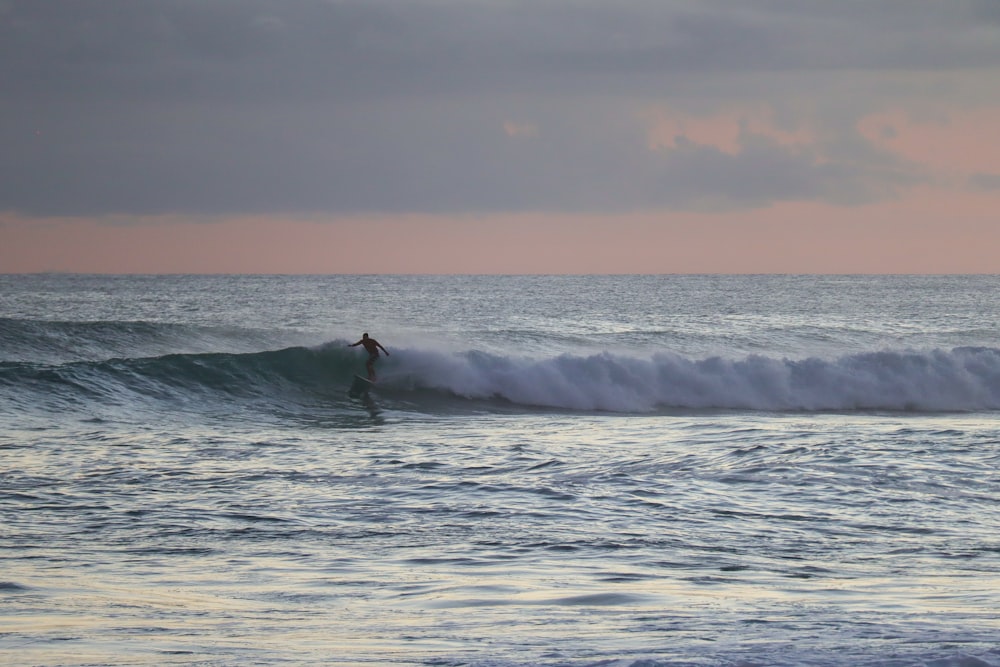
x=198 y=489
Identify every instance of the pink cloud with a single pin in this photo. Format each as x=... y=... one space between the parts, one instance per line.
x=963 y=141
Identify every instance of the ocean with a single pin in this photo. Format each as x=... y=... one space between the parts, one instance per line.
x=627 y=471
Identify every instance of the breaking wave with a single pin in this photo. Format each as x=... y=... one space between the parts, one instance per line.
x=960 y=379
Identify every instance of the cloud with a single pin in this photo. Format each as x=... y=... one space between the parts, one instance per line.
x=513 y=129
x=988 y=182
x=256 y=106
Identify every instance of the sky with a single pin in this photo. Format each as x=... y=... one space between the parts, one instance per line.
x=500 y=136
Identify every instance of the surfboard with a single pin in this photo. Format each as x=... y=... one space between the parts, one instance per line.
x=359 y=387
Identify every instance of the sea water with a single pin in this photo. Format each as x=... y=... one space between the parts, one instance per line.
x=561 y=470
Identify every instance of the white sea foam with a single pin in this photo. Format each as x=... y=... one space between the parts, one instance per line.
x=961 y=379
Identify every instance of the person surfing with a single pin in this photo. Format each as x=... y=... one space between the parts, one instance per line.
x=372 y=346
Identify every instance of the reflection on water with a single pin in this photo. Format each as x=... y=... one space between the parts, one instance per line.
x=593 y=537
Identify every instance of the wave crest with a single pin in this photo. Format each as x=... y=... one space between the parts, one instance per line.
x=962 y=379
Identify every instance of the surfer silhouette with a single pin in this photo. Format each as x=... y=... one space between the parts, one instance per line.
x=372 y=346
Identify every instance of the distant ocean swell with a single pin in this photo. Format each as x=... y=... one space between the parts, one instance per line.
x=56 y=341
x=961 y=379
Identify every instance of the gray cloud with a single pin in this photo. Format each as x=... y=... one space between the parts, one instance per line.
x=116 y=106
x=985 y=181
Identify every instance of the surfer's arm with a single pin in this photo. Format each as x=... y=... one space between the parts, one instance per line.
x=355 y=344
x=383 y=349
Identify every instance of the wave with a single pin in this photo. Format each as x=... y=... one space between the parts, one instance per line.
x=279 y=377
x=960 y=379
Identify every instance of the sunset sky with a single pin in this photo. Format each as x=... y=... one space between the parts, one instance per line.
x=500 y=136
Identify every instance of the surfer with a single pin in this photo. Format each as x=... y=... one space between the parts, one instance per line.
x=372 y=346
